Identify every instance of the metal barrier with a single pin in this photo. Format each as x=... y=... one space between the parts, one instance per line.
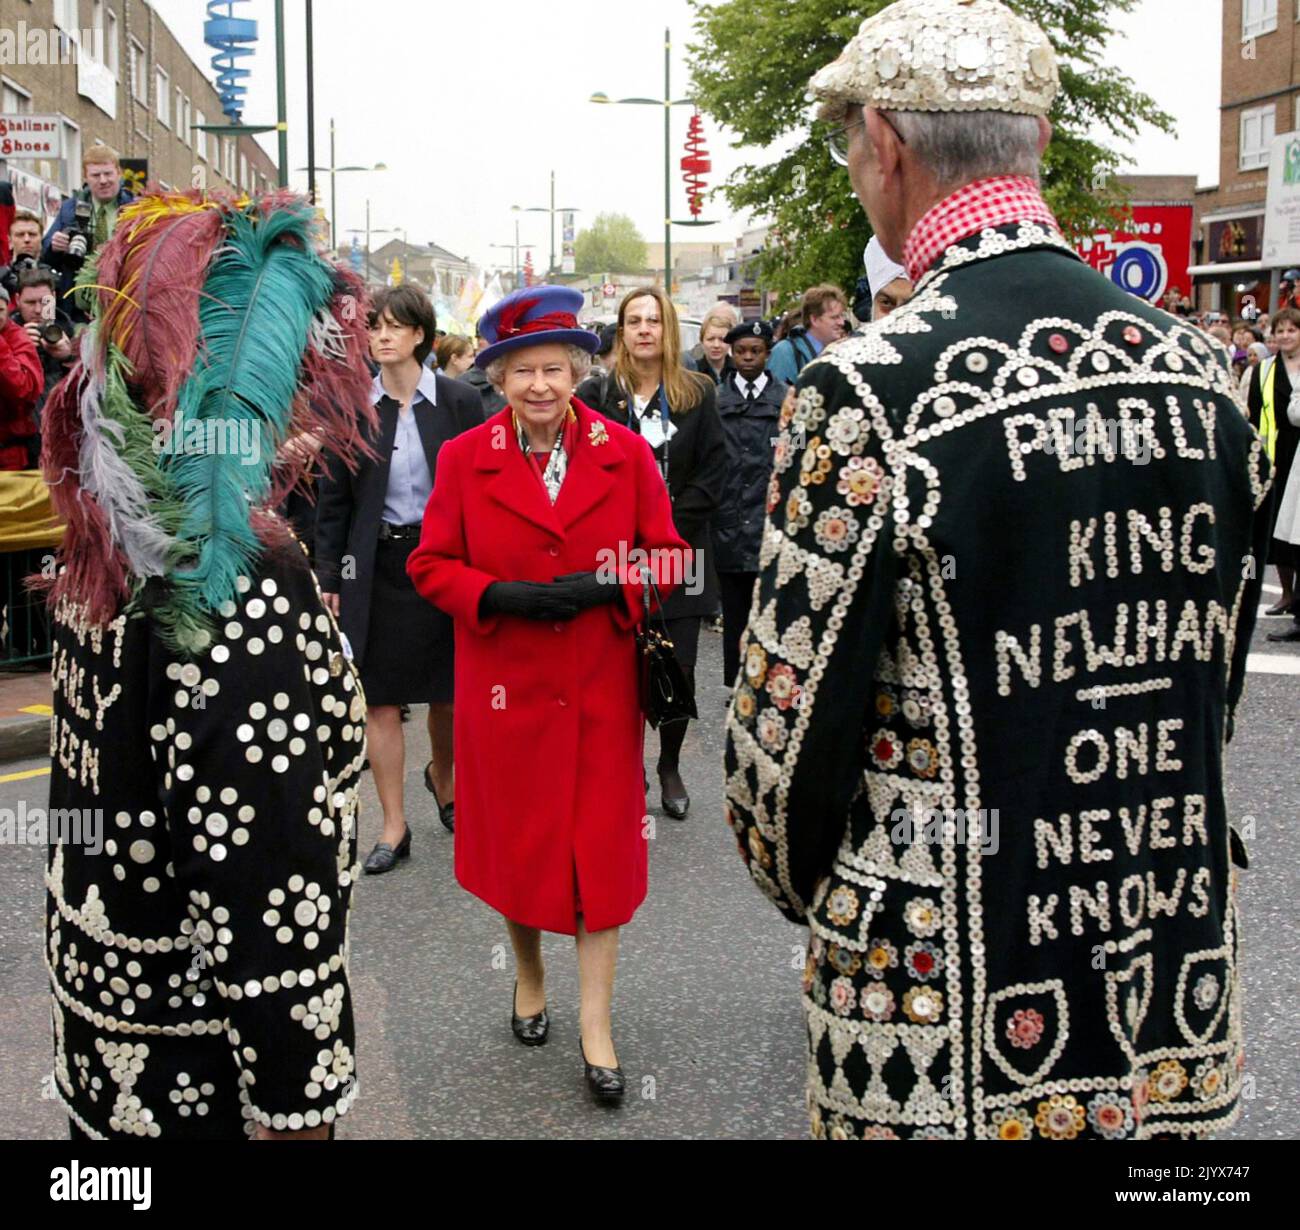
x=24 y=620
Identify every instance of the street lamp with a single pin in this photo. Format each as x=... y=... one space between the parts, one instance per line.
x=540 y=209
x=667 y=102
x=515 y=248
x=334 y=170
x=372 y=231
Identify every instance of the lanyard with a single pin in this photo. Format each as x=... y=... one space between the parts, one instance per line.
x=664 y=419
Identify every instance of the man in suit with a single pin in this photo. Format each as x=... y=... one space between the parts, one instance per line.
x=367 y=524
x=1006 y=594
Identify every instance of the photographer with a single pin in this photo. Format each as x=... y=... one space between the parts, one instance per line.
x=49 y=329
x=24 y=249
x=85 y=221
x=21 y=385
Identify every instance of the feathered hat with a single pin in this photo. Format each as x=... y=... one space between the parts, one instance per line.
x=219 y=334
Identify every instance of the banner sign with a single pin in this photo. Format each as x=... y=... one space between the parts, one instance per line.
x=31 y=136
x=1147 y=257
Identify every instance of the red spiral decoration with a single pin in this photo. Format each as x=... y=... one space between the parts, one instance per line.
x=695 y=164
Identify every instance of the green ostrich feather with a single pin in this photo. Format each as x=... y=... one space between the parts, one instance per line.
x=141 y=442
x=233 y=412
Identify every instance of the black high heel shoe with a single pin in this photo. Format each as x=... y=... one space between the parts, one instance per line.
x=446 y=814
x=530 y=1030
x=676 y=802
x=606 y=1084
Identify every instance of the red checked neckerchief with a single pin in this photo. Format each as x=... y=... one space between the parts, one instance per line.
x=996 y=201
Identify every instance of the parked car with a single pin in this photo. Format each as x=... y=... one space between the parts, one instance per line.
x=690 y=328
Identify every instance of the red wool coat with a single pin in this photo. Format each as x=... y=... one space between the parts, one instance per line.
x=550 y=801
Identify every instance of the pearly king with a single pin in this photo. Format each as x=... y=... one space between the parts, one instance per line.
x=1009 y=575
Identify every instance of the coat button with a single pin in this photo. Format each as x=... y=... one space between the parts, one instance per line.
x=559 y=628
x=555 y=552
x=559 y=700
x=1058 y=343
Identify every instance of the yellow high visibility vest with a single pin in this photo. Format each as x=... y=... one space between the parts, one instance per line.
x=1268 y=415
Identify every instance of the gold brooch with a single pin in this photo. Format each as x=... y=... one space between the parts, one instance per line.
x=598 y=435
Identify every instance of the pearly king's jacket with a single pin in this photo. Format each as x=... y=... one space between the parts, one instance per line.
x=198 y=961
x=1009 y=575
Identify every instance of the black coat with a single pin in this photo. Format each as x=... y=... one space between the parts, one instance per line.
x=1288 y=435
x=697 y=470
x=493 y=401
x=351 y=506
x=701 y=364
x=978 y=742
x=750 y=429
x=227 y=787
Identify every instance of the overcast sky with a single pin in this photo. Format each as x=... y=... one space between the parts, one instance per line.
x=472 y=106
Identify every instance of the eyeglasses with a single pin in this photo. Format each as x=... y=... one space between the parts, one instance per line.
x=837 y=141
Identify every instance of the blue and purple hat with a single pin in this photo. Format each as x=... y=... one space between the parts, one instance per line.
x=534 y=316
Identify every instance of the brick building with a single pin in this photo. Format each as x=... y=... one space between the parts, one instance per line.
x=1260 y=98
x=114 y=73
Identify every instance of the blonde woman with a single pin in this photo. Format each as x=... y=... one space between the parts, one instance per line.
x=675 y=410
x=712 y=357
x=455 y=355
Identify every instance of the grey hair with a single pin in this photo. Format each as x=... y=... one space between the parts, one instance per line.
x=959 y=146
x=579 y=362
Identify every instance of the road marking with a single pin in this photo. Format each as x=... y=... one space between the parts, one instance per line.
x=39 y=710
x=23 y=776
x=1273 y=589
x=1273 y=663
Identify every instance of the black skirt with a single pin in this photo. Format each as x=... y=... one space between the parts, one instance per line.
x=408 y=658
x=684 y=633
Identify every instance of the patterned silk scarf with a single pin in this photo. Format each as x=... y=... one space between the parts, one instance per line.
x=557 y=465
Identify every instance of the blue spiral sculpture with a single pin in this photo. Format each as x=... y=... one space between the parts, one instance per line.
x=233 y=38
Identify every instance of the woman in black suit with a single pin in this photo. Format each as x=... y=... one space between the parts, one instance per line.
x=652 y=391
x=366 y=526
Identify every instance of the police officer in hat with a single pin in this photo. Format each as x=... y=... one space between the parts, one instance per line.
x=1006 y=592
x=749 y=404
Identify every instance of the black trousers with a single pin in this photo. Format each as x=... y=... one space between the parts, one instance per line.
x=737 y=594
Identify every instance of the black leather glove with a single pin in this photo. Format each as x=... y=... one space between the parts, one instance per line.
x=528 y=600
x=586 y=589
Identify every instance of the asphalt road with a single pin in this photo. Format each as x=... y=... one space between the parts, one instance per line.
x=707 y=1016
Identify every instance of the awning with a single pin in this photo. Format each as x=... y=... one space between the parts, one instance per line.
x=1227 y=269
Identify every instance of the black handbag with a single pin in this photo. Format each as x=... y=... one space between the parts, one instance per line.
x=666 y=692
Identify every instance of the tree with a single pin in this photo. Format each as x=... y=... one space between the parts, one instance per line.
x=751 y=64
x=612 y=244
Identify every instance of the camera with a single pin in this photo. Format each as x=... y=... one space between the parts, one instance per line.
x=79 y=238
x=52 y=334
x=19 y=266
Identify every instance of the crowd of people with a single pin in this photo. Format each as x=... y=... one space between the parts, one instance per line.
x=41 y=316
x=527 y=531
